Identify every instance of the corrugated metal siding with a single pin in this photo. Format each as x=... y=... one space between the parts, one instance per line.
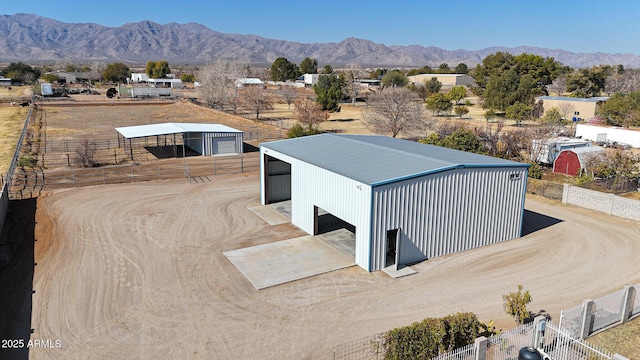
x=345 y=198
x=209 y=148
x=448 y=212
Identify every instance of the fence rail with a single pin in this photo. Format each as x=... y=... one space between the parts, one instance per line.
x=27 y=184
x=602 y=313
x=548 y=338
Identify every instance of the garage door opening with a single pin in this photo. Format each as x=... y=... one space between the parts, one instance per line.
x=277 y=180
x=334 y=231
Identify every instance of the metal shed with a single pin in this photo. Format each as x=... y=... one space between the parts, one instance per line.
x=206 y=139
x=407 y=201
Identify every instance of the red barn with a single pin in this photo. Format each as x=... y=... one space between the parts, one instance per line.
x=573 y=161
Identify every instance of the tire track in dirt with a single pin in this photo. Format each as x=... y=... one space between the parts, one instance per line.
x=137 y=271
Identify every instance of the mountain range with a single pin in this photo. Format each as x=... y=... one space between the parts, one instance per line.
x=32 y=38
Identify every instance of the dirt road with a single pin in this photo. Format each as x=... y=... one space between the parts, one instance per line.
x=136 y=271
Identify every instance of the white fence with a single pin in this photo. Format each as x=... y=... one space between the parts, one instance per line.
x=608 y=203
x=549 y=339
x=599 y=314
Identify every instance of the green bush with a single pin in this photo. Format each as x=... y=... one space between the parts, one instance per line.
x=298 y=130
x=431 y=337
x=27 y=161
x=535 y=171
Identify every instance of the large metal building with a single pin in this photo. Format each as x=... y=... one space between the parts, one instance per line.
x=407 y=201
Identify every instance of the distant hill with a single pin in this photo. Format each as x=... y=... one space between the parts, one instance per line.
x=27 y=37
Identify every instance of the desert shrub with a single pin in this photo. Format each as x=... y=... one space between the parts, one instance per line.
x=298 y=130
x=84 y=153
x=431 y=337
x=535 y=171
x=27 y=161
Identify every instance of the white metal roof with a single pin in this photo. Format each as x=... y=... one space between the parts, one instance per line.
x=378 y=160
x=171 y=128
x=566 y=98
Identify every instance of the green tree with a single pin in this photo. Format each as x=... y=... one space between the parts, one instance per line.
x=116 y=72
x=518 y=112
x=423 y=70
x=327 y=69
x=461 y=110
x=623 y=109
x=187 y=78
x=439 y=103
x=465 y=140
x=461 y=69
x=489 y=114
x=50 y=78
x=298 y=130
x=553 y=116
x=394 y=78
x=283 y=70
x=157 y=69
x=432 y=85
x=515 y=304
x=444 y=68
x=328 y=92
x=22 y=72
x=309 y=66
x=587 y=82
x=457 y=93
x=503 y=79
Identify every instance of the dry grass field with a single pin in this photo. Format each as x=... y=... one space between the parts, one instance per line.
x=622 y=339
x=11 y=121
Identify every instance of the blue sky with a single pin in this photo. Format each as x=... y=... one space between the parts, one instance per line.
x=573 y=25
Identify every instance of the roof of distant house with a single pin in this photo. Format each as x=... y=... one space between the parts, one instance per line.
x=567 y=98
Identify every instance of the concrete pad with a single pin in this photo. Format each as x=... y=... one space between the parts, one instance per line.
x=270 y=215
x=401 y=272
x=288 y=260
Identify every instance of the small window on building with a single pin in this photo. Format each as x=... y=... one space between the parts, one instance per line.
x=514 y=176
x=576 y=113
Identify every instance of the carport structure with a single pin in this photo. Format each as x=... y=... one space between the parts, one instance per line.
x=407 y=201
x=205 y=139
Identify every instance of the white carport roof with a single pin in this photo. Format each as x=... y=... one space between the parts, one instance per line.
x=171 y=128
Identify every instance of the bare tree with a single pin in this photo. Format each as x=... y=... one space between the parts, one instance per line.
x=559 y=85
x=626 y=82
x=289 y=94
x=257 y=100
x=309 y=113
x=218 y=82
x=353 y=74
x=566 y=109
x=84 y=153
x=394 y=111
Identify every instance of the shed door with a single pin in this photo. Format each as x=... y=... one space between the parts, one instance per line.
x=224 y=145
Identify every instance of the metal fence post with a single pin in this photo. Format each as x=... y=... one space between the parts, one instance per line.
x=588 y=307
x=481 y=348
x=619 y=357
x=628 y=299
x=539 y=326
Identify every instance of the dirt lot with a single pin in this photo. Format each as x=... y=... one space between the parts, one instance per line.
x=136 y=271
